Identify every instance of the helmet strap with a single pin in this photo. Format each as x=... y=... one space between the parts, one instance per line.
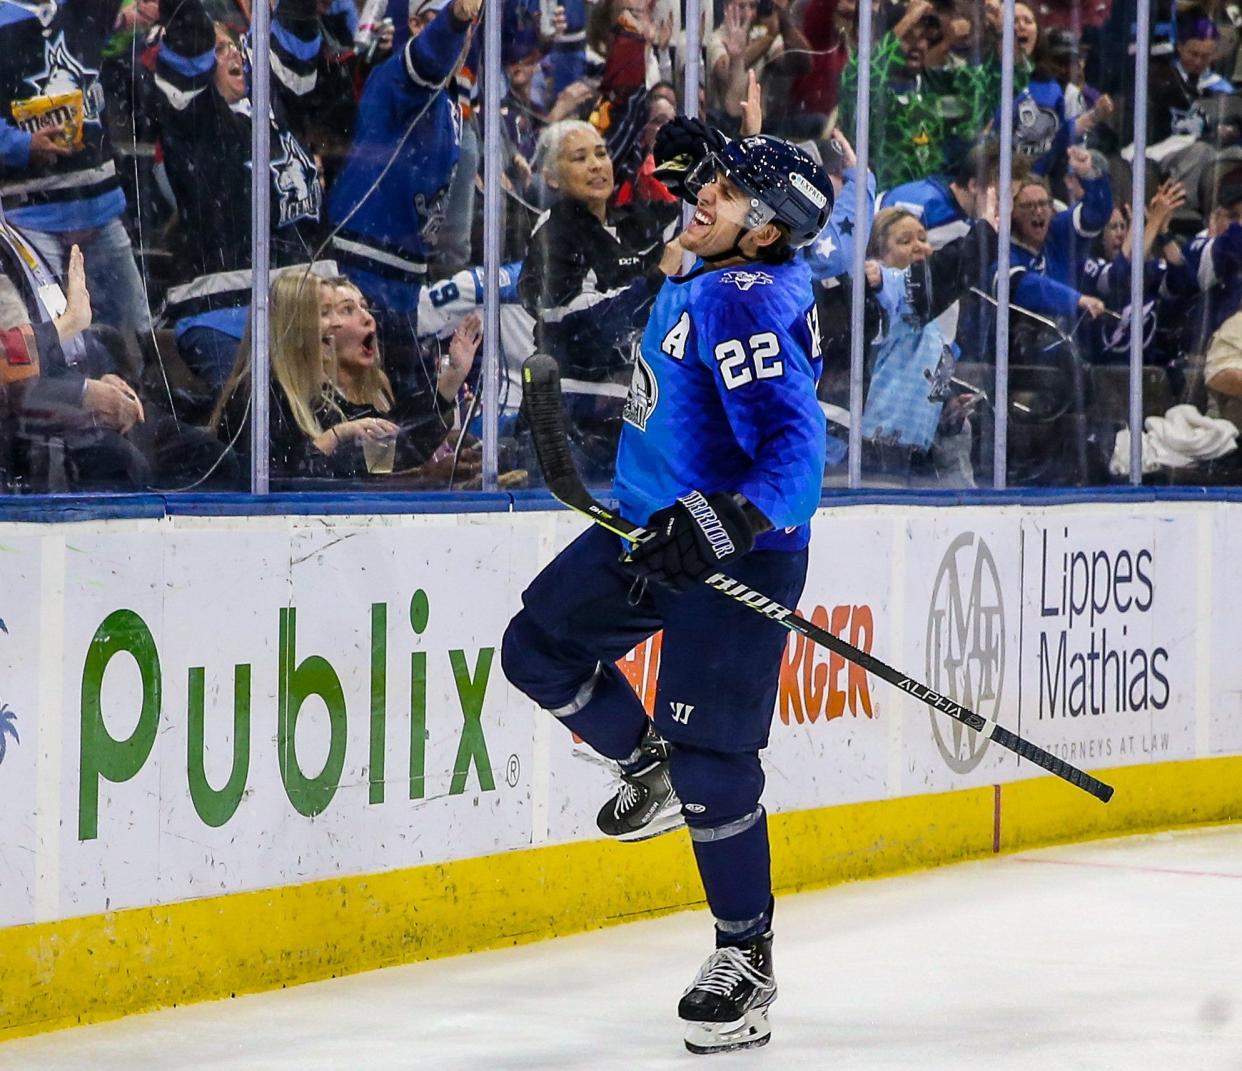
x=735 y=250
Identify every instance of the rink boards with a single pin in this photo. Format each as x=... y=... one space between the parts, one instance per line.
x=237 y=753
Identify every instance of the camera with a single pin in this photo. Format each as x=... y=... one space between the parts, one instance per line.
x=931 y=29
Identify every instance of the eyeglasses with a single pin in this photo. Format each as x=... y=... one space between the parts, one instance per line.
x=1031 y=206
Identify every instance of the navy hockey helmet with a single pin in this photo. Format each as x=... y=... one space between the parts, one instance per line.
x=782 y=181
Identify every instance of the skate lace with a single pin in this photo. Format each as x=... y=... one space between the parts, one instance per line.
x=724 y=969
x=627 y=797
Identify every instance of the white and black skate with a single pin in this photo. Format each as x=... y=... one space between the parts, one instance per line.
x=645 y=805
x=726 y=1007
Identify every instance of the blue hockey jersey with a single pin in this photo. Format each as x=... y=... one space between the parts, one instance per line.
x=723 y=398
x=1070 y=234
x=832 y=252
x=931 y=202
x=1040 y=128
x=388 y=201
x=52 y=49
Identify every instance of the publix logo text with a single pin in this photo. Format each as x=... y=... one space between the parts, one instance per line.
x=124 y=632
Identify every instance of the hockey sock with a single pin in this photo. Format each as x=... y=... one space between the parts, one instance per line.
x=735 y=866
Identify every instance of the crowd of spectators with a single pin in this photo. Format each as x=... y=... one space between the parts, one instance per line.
x=127 y=235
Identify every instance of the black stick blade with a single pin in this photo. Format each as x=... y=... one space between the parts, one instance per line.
x=542 y=408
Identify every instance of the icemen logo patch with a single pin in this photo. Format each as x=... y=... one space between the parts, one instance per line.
x=297 y=182
x=644 y=393
x=63 y=73
x=744 y=280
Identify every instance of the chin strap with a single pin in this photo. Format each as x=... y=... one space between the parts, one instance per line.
x=735 y=250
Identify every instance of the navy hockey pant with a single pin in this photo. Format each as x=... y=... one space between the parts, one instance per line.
x=719 y=670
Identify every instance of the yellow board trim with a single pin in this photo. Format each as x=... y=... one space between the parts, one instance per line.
x=99 y=967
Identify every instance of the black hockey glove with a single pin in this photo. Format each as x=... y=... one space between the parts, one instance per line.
x=300 y=16
x=680 y=144
x=691 y=538
x=187 y=27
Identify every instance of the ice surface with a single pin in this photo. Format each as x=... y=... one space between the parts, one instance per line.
x=1121 y=954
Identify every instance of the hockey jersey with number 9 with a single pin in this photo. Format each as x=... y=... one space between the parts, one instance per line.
x=723 y=398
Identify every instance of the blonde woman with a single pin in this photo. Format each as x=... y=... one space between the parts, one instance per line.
x=363 y=389
x=310 y=433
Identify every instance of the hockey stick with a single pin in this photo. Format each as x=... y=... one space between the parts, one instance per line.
x=541 y=402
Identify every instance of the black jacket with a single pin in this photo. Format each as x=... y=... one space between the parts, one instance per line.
x=207 y=153
x=590 y=285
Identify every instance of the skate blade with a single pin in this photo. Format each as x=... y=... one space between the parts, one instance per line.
x=749 y=1032
x=662 y=823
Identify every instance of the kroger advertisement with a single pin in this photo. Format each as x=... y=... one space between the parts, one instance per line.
x=193 y=707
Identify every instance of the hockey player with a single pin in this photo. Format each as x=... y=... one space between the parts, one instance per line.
x=722 y=456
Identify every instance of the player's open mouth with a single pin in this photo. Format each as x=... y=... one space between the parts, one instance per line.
x=235 y=70
x=368 y=344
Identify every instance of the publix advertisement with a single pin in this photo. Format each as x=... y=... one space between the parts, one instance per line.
x=199 y=706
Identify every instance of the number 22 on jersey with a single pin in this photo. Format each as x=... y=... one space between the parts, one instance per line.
x=740 y=363
x=758 y=359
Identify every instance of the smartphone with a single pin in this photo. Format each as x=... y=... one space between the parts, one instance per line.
x=834 y=157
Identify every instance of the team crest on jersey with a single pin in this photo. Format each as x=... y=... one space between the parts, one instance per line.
x=644 y=393
x=744 y=280
x=432 y=211
x=1188 y=121
x=297 y=182
x=64 y=73
x=1035 y=129
x=1117 y=340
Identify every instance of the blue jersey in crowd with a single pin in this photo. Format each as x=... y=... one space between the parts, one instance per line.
x=51 y=49
x=1070 y=234
x=1051 y=281
x=910 y=372
x=932 y=203
x=1040 y=128
x=388 y=210
x=723 y=398
x=832 y=252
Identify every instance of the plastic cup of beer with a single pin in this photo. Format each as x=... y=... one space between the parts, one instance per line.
x=380 y=454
